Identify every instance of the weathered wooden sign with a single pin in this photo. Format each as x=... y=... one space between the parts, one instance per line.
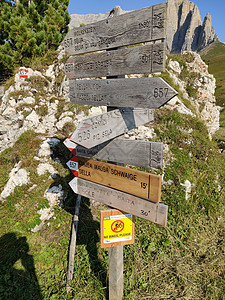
x=150 y=92
x=147 y=24
x=133 y=60
x=154 y=212
x=139 y=153
x=99 y=129
x=117 y=228
x=131 y=181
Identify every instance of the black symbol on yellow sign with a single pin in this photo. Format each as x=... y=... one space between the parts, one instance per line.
x=117 y=226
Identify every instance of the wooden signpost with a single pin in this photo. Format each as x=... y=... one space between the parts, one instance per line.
x=99 y=129
x=139 y=153
x=147 y=24
x=150 y=211
x=131 y=181
x=99 y=137
x=150 y=92
x=134 y=60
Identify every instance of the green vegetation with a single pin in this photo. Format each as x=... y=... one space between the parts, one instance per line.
x=42 y=110
x=165 y=75
x=30 y=29
x=214 y=56
x=185 y=75
x=185 y=259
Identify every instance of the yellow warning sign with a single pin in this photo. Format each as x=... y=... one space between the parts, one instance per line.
x=116 y=228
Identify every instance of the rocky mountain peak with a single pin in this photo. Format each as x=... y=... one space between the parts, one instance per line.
x=185 y=30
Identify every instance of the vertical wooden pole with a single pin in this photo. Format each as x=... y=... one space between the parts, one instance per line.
x=115 y=253
x=73 y=242
x=116 y=273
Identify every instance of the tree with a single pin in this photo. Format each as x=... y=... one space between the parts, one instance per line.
x=30 y=28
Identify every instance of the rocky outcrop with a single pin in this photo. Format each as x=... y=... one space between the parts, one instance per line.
x=77 y=20
x=205 y=85
x=185 y=30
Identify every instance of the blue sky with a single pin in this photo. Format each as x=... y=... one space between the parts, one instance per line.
x=215 y=7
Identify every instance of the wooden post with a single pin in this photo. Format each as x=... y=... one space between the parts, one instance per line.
x=115 y=253
x=73 y=242
x=116 y=273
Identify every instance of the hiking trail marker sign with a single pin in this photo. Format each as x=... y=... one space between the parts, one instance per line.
x=148 y=210
x=117 y=228
x=149 y=92
x=130 y=102
x=134 y=60
x=144 y=25
x=139 y=153
x=99 y=129
x=138 y=183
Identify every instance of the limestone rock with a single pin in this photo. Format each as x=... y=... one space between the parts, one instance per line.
x=177 y=104
x=205 y=100
x=32 y=120
x=28 y=100
x=188 y=186
x=17 y=177
x=46 y=147
x=54 y=194
x=45 y=167
x=185 y=30
x=63 y=121
x=175 y=66
x=77 y=20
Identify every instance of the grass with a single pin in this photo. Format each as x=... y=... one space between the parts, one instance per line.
x=165 y=75
x=214 y=56
x=41 y=63
x=42 y=110
x=185 y=75
x=38 y=82
x=184 y=260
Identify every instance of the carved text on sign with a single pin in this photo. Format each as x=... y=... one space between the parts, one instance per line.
x=147 y=24
x=133 y=60
x=154 y=212
x=150 y=92
x=96 y=130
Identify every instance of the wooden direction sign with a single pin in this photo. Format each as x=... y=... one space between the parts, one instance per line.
x=133 y=60
x=154 y=212
x=99 y=129
x=131 y=181
x=147 y=24
x=150 y=92
x=139 y=153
